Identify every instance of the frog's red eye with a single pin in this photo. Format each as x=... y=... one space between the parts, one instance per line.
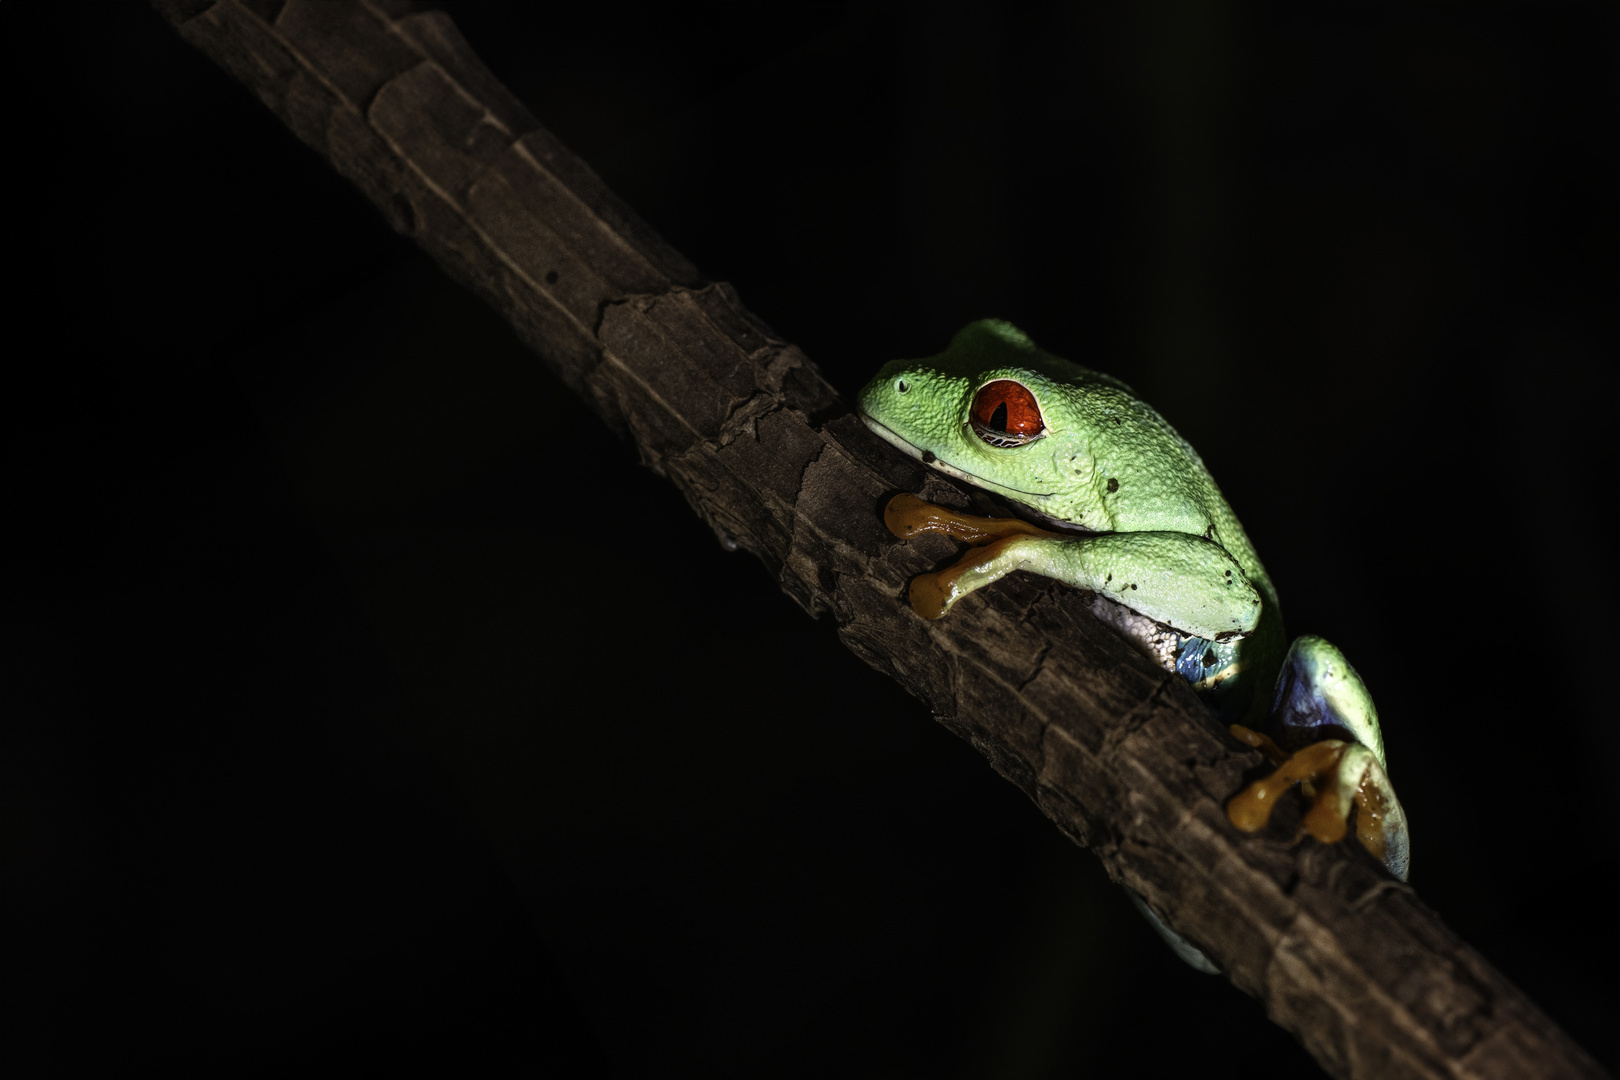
x=1005 y=414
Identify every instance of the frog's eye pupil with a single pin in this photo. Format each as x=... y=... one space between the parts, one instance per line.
x=901 y=386
x=1006 y=414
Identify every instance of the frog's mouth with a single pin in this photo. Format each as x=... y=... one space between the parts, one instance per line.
x=927 y=458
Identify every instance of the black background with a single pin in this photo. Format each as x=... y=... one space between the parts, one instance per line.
x=369 y=702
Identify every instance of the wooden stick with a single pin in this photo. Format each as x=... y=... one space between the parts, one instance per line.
x=1119 y=754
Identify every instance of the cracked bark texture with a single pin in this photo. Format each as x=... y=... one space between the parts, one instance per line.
x=1118 y=753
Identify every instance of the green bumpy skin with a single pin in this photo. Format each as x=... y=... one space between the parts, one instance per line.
x=1108 y=463
x=1145 y=526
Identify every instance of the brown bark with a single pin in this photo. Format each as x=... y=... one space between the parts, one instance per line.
x=1119 y=754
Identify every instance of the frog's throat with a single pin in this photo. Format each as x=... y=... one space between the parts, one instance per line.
x=948 y=469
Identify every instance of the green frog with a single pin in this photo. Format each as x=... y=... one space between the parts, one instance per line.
x=1125 y=509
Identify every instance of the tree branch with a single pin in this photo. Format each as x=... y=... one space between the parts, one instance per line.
x=1119 y=754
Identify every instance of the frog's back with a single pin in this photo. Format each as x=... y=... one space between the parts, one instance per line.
x=1126 y=469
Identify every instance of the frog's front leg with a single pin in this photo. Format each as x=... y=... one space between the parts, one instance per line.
x=1319 y=694
x=1183 y=581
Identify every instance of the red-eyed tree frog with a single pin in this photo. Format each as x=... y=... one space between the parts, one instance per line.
x=1130 y=513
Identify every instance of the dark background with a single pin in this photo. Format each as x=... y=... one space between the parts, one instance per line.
x=367 y=700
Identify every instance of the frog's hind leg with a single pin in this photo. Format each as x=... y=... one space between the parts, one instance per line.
x=1323 y=711
x=1346 y=778
x=1320 y=696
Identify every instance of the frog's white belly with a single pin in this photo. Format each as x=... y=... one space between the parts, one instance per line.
x=1153 y=639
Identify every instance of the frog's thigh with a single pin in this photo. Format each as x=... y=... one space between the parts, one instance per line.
x=1320 y=695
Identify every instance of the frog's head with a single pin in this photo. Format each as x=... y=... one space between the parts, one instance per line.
x=992 y=409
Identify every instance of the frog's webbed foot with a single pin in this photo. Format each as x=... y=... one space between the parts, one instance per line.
x=907 y=516
x=1344 y=777
x=933 y=594
x=1319 y=693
